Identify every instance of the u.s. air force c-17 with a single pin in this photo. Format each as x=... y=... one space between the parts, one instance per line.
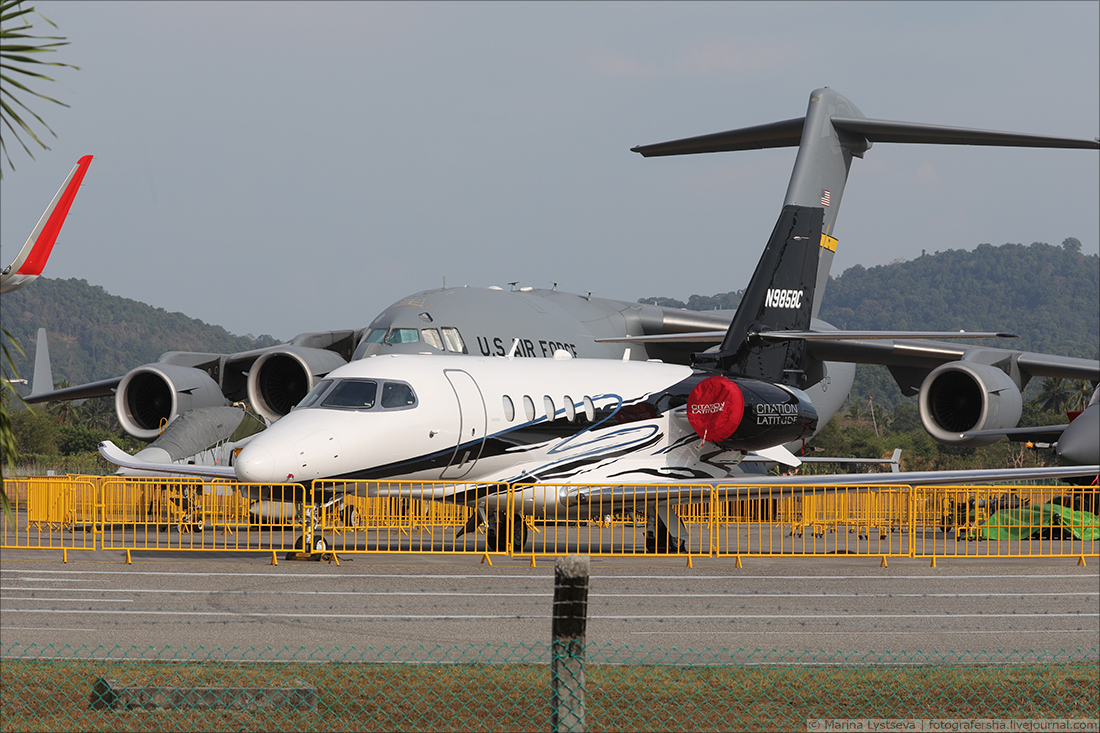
x=488 y=419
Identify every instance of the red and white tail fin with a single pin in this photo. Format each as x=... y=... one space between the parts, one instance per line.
x=32 y=258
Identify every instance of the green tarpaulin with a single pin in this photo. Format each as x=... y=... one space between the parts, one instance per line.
x=1048 y=519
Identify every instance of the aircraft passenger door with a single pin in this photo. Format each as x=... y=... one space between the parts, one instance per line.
x=472 y=424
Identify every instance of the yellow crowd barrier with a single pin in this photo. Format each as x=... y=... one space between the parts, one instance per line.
x=50 y=513
x=415 y=517
x=332 y=518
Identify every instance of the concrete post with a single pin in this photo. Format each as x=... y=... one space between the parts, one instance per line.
x=567 y=648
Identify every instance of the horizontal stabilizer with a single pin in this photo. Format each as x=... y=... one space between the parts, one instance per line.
x=887 y=131
x=788 y=134
x=785 y=134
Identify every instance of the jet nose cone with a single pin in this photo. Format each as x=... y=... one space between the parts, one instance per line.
x=255 y=465
x=1080 y=441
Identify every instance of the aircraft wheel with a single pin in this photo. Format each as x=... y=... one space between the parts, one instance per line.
x=662 y=542
x=317 y=544
x=496 y=535
x=351 y=516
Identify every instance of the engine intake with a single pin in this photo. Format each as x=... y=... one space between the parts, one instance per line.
x=960 y=396
x=279 y=379
x=153 y=394
x=746 y=414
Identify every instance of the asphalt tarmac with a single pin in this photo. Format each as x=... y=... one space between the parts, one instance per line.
x=772 y=609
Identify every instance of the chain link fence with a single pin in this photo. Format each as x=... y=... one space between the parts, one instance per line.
x=508 y=688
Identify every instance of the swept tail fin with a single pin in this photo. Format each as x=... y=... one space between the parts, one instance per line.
x=789 y=282
x=779 y=297
x=828 y=137
x=30 y=261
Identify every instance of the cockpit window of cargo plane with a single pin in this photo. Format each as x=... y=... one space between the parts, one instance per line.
x=453 y=339
x=403 y=336
x=431 y=337
x=353 y=394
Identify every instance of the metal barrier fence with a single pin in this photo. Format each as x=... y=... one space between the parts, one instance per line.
x=481 y=688
x=542 y=520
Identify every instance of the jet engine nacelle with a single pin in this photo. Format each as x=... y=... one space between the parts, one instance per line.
x=280 y=378
x=960 y=396
x=746 y=414
x=155 y=394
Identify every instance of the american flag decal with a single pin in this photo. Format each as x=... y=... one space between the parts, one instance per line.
x=824 y=197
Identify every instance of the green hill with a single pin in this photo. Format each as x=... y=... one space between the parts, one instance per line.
x=1048 y=295
x=96 y=335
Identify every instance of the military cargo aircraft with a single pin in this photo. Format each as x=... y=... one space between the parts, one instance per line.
x=28 y=264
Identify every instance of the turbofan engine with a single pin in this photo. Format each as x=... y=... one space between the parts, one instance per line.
x=746 y=414
x=280 y=378
x=960 y=396
x=155 y=394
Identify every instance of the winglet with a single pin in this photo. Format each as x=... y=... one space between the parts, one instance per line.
x=43 y=372
x=32 y=258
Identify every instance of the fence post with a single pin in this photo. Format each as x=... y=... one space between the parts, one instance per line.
x=567 y=707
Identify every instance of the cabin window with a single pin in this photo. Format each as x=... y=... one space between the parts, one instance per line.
x=403 y=336
x=509 y=408
x=589 y=409
x=431 y=337
x=315 y=393
x=453 y=340
x=529 y=407
x=397 y=394
x=570 y=408
x=548 y=405
x=352 y=393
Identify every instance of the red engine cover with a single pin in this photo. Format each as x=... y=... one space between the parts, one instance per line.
x=715 y=408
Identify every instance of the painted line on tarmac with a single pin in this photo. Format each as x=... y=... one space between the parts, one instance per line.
x=490 y=574
x=541 y=593
x=81 y=600
x=455 y=617
x=923 y=632
x=42 y=628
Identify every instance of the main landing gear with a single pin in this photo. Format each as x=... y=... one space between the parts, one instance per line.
x=664 y=532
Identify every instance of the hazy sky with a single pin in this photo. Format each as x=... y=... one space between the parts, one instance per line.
x=287 y=167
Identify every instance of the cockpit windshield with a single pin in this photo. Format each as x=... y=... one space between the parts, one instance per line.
x=315 y=393
x=352 y=393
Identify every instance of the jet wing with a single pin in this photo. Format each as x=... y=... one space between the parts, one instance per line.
x=921 y=355
x=113 y=454
x=777 y=486
x=710 y=336
x=1038 y=434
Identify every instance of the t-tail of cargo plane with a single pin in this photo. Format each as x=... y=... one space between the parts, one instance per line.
x=28 y=264
x=771 y=336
